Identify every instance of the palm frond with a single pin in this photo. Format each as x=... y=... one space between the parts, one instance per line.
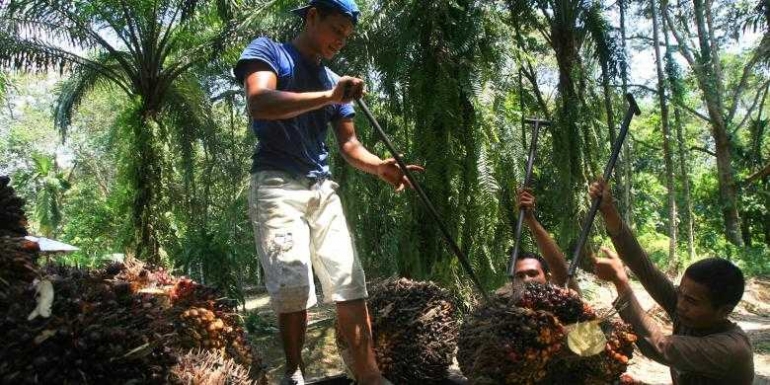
x=522 y=11
x=487 y=179
x=262 y=13
x=38 y=18
x=47 y=19
x=608 y=52
x=225 y=9
x=71 y=91
x=188 y=108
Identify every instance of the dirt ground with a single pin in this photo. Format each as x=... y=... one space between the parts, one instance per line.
x=321 y=358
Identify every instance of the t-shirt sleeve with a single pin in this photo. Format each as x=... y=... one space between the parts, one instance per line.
x=260 y=49
x=341 y=111
x=344 y=111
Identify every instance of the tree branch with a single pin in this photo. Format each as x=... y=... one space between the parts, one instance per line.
x=681 y=42
x=164 y=46
x=531 y=76
x=644 y=144
x=762 y=91
x=758 y=175
x=761 y=51
x=131 y=31
x=116 y=28
x=672 y=100
x=704 y=150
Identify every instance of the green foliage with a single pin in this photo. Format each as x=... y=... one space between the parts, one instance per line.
x=258 y=325
x=4 y=84
x=90 y=224
x=656 y=246
x=157 y=46
x=155 y=160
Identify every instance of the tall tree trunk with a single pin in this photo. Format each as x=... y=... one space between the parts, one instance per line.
x=746 y=227
x=567 y=140
x=607 y=91
x=608 y=107
x=685 y=180
x=470 y=190
x=758 y=135
x=711 y=82
x=626 y=164
x=667 y=158
x=677 y=91
x=523 y=113
x=146 y=177
x=727 y=188
x=766 y=221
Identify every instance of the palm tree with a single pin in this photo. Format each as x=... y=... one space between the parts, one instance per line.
x=146 y=49
x=569 y=26
x=48 y=183
x=427 y=62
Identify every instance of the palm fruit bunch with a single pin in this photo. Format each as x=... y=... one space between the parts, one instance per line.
x=186 y=293
x=18 y=256
x=606 y=368
x=112 y=325
x=201 y=328
x=562 y=365
x=241 y=349
x=504 y=344
x=613 y=362
x=209 y=367
x=414 y=328
x=562 y=302
x=207 y=313
x=92 y=335
x=18 y=260
x=183 y=289
x=569 y=308
x=102 y=331
x=13 y=221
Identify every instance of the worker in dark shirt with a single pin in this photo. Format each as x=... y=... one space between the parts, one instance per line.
x=705 y=347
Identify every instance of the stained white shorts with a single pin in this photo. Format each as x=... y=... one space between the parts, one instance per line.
x=300 y=229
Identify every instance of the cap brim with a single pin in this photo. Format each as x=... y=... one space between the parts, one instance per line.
x=301 y=11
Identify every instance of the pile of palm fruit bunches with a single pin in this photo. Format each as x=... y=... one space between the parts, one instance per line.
x=522 y=341
x=124 y=323
x=414 y=327
x=416 y=333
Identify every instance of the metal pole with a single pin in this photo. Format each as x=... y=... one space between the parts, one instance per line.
x=633 y=109
x=527 y=177
x=444 y=231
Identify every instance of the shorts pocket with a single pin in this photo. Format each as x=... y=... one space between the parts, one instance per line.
x=272 y=179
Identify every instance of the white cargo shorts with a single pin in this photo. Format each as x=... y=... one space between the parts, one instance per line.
x=300 y=229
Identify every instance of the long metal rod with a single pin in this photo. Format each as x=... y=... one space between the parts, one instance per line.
x=633 y=109
x=421 y=193
x=527 y=178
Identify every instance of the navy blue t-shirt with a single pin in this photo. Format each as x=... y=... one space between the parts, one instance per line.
x=295 y=145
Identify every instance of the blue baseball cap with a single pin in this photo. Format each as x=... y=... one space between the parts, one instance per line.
x=346 y=7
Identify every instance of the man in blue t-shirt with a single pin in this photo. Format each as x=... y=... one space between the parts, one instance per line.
x=299 y=225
